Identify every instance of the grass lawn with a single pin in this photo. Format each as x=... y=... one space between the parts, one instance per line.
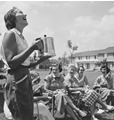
x=91 y=75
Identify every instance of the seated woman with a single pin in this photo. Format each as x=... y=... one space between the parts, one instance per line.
x=77 y=82
x=53 y=83
x=35 y=76
x=81 y=78
x=104 y=85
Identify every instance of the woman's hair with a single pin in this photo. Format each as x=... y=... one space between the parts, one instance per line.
x=105 y=67
x=10 y=18
x=60 y=68
x=50 y=68
x=57 y=65
x=81 y=67
x=72 y=66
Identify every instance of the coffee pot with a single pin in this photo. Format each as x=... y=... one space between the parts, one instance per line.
x=49 y=49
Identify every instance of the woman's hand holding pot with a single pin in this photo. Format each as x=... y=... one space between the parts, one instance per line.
x=37 y=44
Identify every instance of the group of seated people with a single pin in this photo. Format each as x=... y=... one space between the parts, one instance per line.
x=67 y=89
x=76 y=81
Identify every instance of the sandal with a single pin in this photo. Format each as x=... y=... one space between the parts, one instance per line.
x=94 y=118
x=83 y=114
x=100 y=111
x=111 y=108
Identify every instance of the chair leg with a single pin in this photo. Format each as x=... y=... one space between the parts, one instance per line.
x=53 y=103
x=37 y=116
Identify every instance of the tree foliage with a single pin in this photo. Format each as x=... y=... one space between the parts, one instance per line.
x=71 y=49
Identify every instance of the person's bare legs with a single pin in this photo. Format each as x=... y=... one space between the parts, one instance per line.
x=70 y=112
x=105 y=106
x=112 y=98
x=71 y=104
x=76 y=109
x=92 y=109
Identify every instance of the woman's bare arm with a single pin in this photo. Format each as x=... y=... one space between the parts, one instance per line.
x=46 y=86
x=40 y=60
x=76 y=89
x=10 y=50
x=86 y=81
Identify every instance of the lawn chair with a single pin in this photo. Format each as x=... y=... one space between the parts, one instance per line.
x=41 y=111
x=49 y=101
x=57 y=115
x=40 y=96
x=36 y=101
x=49 y=98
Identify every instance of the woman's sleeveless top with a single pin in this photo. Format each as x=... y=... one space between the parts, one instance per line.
x=80 y=82
x=21 y=46
x=54 y=82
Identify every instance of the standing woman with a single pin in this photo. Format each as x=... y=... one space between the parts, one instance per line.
x=18 y=88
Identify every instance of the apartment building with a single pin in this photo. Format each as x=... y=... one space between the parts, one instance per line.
x=89 y=59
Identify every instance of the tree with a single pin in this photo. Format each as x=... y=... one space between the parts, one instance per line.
x=59 y=59
x=71 y=49
x=64 y=58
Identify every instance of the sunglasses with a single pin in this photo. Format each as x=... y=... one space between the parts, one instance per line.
x=81 y=70
x=55 y=69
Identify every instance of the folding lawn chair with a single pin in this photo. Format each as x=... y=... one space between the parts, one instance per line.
x=42 y=100
x=56 y=115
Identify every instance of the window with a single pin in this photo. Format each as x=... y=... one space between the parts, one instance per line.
x=87 y=57
x=110 y=54
x=112 y=64
x=88 y=66
x=80 y=58
x=101 y=55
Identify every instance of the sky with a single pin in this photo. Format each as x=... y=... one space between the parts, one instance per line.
x=88 y=24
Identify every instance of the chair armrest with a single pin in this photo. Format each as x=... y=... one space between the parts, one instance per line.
x=36 y=99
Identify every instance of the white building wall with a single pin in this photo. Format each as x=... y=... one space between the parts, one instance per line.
x=85 y=66
x=100 y=58
x=76 y=58
x=92 y=66
x=105 y=55
x=83 y=58
x=92 y=57
x=110 y=56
